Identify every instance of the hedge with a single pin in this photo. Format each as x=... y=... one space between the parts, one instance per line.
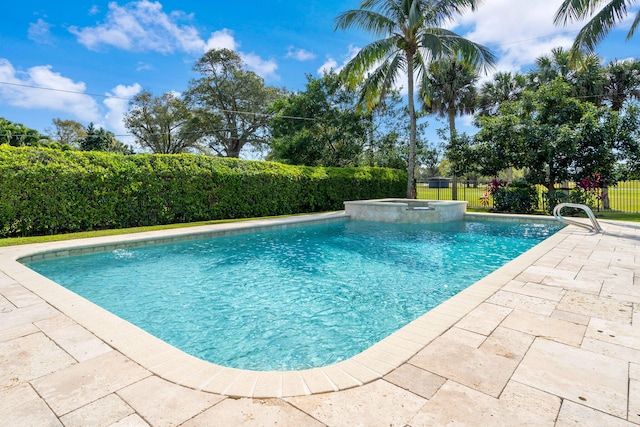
x=48 y=191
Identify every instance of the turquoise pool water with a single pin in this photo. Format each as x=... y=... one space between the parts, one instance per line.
x=294 y=298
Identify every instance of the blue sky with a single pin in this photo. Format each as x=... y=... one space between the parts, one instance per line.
x=98 y=54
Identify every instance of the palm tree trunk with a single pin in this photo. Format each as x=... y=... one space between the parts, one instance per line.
x=452 y=133
x=412 y=130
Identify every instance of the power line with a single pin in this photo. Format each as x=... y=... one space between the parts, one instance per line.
x=129 y=99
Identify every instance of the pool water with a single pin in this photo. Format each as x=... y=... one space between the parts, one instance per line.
x=293 y=298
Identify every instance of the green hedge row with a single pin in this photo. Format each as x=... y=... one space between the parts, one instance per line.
x=47 y=191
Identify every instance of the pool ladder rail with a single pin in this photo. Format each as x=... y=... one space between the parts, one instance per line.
x=594 y=227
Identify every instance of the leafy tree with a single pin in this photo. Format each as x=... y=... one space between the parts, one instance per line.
x=319 y=126
x=411 y=35
x=230 y=103
x=449 y=90
x=67 y=132
x=102 y=140
x=163 y=124
x=555 y=137
x=17 y=134
x=597 y=28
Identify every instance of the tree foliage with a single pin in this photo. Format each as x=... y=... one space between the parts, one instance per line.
x=163 y=124
x=17 y=134
x=102 y=140
x=230 y=103
x=67 y=132
x=555 y=136
x=319 y=126
x=411 y=34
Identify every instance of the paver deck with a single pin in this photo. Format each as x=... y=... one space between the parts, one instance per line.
x=550 y=339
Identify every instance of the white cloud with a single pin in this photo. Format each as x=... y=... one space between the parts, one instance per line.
x=65 y=95
x=142 y=26
x=222 y=39
x=40 y=32
x=142 y=66
x=518 y=32
x=117 y=105
x=331 y=64
x=263 y=68
x=300 y=54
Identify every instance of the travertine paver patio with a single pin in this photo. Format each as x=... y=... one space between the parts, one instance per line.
x=553 y=338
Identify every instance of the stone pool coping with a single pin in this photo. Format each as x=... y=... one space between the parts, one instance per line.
x=180 y=368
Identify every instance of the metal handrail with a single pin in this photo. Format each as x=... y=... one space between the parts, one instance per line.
x=593 y=227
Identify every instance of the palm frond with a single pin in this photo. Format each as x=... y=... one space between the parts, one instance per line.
x=373 y=53
x=366 y=20
x=442 y=43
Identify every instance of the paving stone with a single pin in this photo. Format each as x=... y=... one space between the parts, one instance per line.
x=463 y=336
x=5 y=280
x=455 y=404
x=573 y=414
x=552 y=293
x=597 y=306
x=101 y=413
x=416 y=380
x=479 y=369
x=19 y=295
x=132 y=420
x=253 y=413
x=32 y=356
x=597 y=381
x=73 y=338
x=362 y=406
x=634 y=401
x=523 y=302
x=508 y=343
x=578 y=319
x=18 y=331
x=484 y=318
x=69 y=389
x=543 y=326
x=166 y=404
x=25 y=315
x=21 y=406
x=611 y=350
x=613 y=332
x=585 y=286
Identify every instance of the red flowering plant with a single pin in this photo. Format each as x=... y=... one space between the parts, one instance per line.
x=492 y=189
x=589 y=190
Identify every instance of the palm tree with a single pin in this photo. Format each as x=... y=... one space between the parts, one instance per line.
x=410 y=37
x=583 y=71
x=622 y=82
x=448 y=90
x=504 y=87
x=601 y=22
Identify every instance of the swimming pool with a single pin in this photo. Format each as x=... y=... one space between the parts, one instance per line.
x=293 y=298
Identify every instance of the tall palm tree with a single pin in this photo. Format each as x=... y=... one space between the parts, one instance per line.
x=410 y=36
x=600 y=23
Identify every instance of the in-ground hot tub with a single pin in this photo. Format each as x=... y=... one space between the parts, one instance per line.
x=406 y=210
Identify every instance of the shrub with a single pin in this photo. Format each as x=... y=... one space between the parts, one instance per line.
x=518 y=197
x=48 y=191
x=577 y=195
